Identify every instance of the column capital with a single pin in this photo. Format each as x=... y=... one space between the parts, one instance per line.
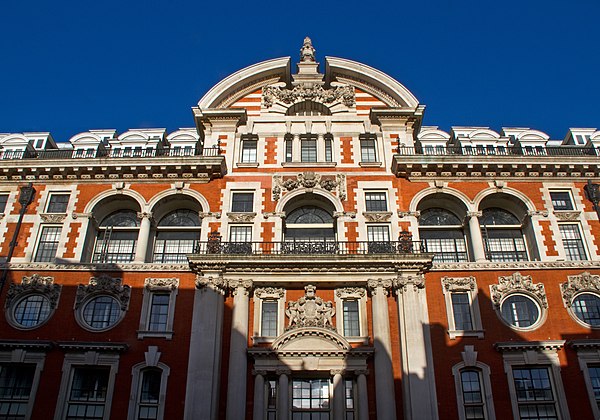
x=402 y=283
x=282 y=371
x=474 y=213
x=204 y=214
x=259 y=372
x=240 y=285
x=361 y=372
x=334 y=372
x=374 y=284
x=144 y=215
x=217 y=284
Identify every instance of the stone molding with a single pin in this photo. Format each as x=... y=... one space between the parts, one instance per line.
x=269 y=214
x=372 y=216
x=203 y=214
x=310 y=311
x=469 y=356
x=402 y=283
x=520 y=265
x=474 y=213
x=34 y=284
x=584 y=282
x=350 y=292
x=53 y=217
x=456 y=284
x=171 y=283
x=346 y=214
x=104 y=284
x=144 y=215
x=269 y=292
x=567 y=216
x=75 y=215
x=526 y=346
x=239 y=217
x=403 y=214
x=309 y=180
x=517 y=283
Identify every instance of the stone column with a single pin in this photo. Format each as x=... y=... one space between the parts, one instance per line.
x=339 y=400
x=363 y=397
x=475 y=235
x=143 y=237
x=259 y=395
x=236 y=378
x=283 y=395
x=418 y=383
x=204 y=365
x=296 y=148
x=384 y=374
x=320 y=148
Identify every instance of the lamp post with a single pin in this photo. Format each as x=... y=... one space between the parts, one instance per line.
x=25 y=199
x=593 y=194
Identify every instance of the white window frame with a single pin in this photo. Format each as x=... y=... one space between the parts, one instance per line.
x=21 y=355
x=57 y=193
x=469 y=356
x=248 y=159
x=537 y=354
x=83 y=359
x=576 y=285
x=103 y=285
x=581 y=239
x=588 y=353
x=268 y=294
x=386 y=200
x=239 y=193
x=234 y=227
x=161 y=286
x=466 y=285
x=358 y=294
x=569 y=192
x=152 y=357
x=39 y=240
x=31 y=286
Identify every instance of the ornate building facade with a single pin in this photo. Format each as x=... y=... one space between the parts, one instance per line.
x=308 y=250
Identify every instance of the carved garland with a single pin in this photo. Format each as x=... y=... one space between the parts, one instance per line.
x=273 y=93
x=517 y=283
x=309 y=180
x=161 y=283
x=34 y=284
x=455 y=284
x=584 y=282
x=269 y=292
x=104 y=284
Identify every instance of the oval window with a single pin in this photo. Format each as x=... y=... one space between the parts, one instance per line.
x=101 y=312
x=586 y=307
x=32 y=311
x=520 y=311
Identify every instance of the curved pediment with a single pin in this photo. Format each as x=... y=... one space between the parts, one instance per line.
x=310 y=340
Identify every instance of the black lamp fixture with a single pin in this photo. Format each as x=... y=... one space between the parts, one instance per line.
x=593 y=194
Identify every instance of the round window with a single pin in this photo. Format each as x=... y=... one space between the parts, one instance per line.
x=586 y=307
x=520 y=311
x=32 y=311
x=101 y=312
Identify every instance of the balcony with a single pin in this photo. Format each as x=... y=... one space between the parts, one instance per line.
x=311 y=256
x=203 y=163
x=491 y=161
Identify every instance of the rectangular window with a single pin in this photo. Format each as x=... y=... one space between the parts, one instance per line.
x=328 y=148
x=472 y=397
x=242 y=202
x=375 y=201
x=240 y=234
x=249 y=151
x=149 y=396
x=368 y=150
x=572 y=242
x=594 y=372
x=48 y=244
x=268 y=322
x=16 y=380
x=351 y=318
x=308 y=148
x=57 y=203
x=561 y=200
x=349 y=397
x=87 y=394
x=3 y=201
x=271 y=406
x=310 y=399
x=461 y=309
x=378 y=233
x=535 y=396
x=159 y=312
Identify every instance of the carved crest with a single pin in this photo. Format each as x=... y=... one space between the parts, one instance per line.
x=342 y=93
x=309 y=180
x=104 y=284
x=35 y=284
x=310 y=311
x=579 y=283
x=517 y=283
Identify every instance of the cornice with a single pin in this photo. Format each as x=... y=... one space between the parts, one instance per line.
x=520 y=265
x=552 y=345
x=97 y=267
x=39 y=345
x=91 y=346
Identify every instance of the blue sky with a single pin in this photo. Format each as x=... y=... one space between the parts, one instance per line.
x=70 y=66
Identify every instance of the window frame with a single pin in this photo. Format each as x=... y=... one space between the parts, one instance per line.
x=570 y=201
x=29 y=357
x=309 y=140
x=98 y=287
x=242 y=203
x=588 y=354
x=31 y=286
x=54 y=195
x=470 y=362
x=370 y=202
x=368 y=148
x=137 y=371
x=467 y=285
x=358 y=294
x=4 y=198
x=153 y=287
x=249 y=154
x=515 y=285
x=578 y=242
x=268 y=294
x=40 y=242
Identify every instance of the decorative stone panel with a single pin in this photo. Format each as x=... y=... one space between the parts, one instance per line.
x=34 y=284
x=104 y=284
x=517 y=283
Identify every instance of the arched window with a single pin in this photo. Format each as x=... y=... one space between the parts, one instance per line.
x=442 y=234
x=307 y=109
x=502 y=235
x=116 y=239
x=177 y=234
x=309 y=224
x=148 y=390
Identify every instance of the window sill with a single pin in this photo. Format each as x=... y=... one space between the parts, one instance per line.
x=263 y=340
x=154 y=334
x=459 y=333
x=309 y=164
x=370 y=164
x=358 y=340
x=247 y=164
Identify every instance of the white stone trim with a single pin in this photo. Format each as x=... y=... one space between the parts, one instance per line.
x=102 y=285
x=81 y=359
x=469 y=356
x=466 y=285
x=358 y=294
x=151 y=361
x=273 y=294
x=576 y=285
x=168 y=286
x=30 y=286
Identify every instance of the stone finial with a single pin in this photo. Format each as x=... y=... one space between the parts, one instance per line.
x=307 y=52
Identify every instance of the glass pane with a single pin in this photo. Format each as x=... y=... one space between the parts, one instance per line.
x=101 y=312
x=159 y=312
x=461 y=308
x=376 y=201
x=520 y=311
x=182 y=217
x=32 y=310
x=242 y=202
x=58 y=203
x=351 y=318
x=269 y=319
x=586 y=307
x=48 y=244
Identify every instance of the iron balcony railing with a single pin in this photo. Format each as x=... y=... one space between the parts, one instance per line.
x=549 y=151
x=55 y=154
x=309 y=248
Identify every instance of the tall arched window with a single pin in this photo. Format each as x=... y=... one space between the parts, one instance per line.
x=177 y=234
x=116 y=239
x=502 y=235
x=442 y=234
